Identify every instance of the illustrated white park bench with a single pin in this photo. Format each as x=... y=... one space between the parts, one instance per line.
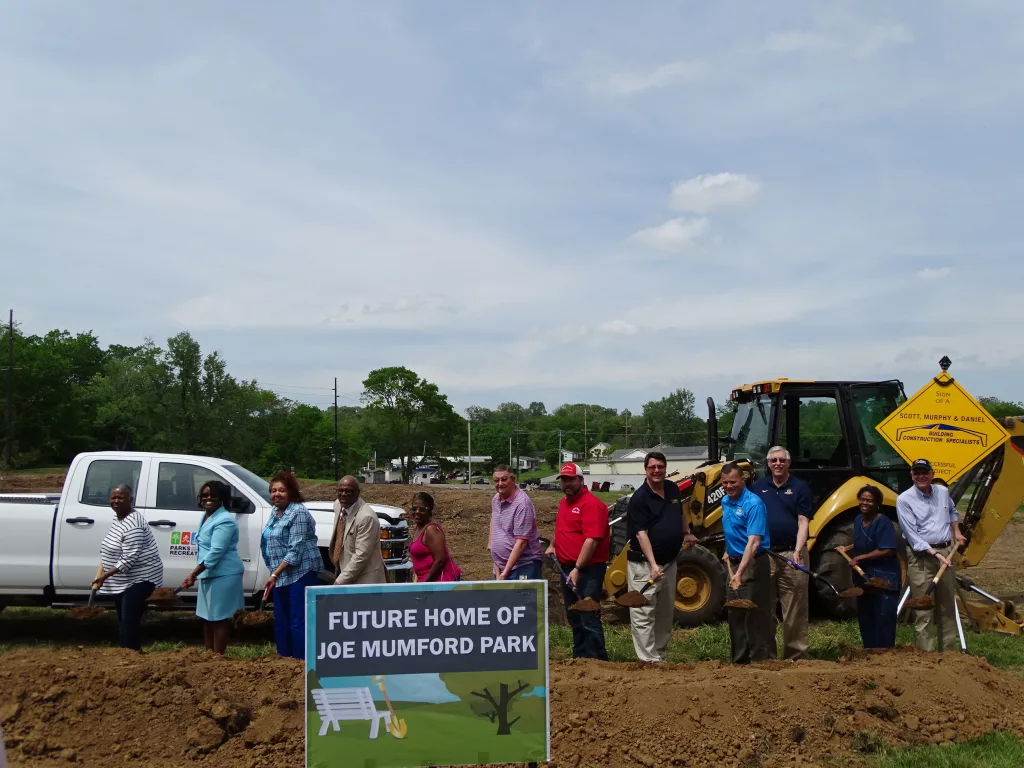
x=337 y=704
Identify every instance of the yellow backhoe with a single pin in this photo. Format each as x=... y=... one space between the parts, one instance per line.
x=829 y=429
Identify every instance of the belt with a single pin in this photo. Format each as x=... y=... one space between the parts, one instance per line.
x=740 y=558
x=941 y=545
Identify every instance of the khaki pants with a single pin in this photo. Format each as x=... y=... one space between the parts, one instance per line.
x=936 y=627
x=790 y=587
x=652 y=624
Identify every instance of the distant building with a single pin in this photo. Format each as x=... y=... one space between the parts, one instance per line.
x=568 y=455
x=599 y=450
x=630 y=461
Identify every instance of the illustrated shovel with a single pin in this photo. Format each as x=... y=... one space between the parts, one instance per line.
x=396 y=727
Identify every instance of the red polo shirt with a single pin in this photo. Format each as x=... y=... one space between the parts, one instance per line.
x=582 y=517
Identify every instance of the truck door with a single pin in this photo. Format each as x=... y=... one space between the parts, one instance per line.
x=85 y=517
x=174 y=515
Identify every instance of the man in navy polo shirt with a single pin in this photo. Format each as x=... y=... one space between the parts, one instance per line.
x=751 y=631
x=790 y=508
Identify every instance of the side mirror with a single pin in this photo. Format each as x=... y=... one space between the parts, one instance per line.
x=241 y=505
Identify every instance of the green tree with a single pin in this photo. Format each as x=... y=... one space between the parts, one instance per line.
x=1000 y=409
x=407 y=412
x=493 y=694
x=673 y=419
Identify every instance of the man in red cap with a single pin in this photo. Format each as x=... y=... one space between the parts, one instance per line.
x=580 y=543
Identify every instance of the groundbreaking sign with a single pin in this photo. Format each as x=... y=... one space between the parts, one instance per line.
x=944 y=424
x=441 y=673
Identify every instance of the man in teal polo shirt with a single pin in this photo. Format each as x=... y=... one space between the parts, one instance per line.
x=745 y=521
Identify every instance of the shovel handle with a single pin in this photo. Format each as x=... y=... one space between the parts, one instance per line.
x=935 y=581
x=857 y=568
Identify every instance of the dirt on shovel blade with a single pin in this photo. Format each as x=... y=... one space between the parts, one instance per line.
x=878 y=583
x=920 y=603
x=83 y=612
x=632 y=600
x=254 y=618
x=587 y=604
x=745 y=605
x=852 y=592
x=163 y=594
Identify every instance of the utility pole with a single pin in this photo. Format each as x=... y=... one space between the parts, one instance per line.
x=510 y=455
x=585 y=433
x=516 y=465
x=469 y=452
x=559 y=462
x=336 y=477
x=627 y=429
x=9 y=410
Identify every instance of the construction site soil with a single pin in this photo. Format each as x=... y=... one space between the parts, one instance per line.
x=119 y=709
x=113 y=708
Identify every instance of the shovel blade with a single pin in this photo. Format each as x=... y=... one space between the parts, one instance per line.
x=587 y=605
x=632 y=600
x=398 y=728
x=742 y=605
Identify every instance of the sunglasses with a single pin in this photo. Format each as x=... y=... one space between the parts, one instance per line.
x=777 y=460
x=204 y=496
x=418 y=508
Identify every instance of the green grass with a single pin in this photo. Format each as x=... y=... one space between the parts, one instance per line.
x=996 y=750
x=35 y=471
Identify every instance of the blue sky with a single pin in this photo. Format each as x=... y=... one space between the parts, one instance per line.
x=531 y=201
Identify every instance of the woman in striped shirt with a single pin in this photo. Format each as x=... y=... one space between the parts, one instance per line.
x=131 y=566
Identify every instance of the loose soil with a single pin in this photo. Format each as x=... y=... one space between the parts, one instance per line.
x=118 y=709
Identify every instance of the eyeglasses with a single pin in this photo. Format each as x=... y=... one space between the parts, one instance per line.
x=656 y=468
x=419 y=508
x=204 y=496
x=777 y=460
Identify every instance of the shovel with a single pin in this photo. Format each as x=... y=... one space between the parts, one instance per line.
x=259 y=617
x=396 y=727
x=634 y=599
x=870 y=584
x=851 y=592
x=926 y=601
x=89 y=611
x=738 y=603
x=584 y=604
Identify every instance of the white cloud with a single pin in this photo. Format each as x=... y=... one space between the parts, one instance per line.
x=839 y=33
x=674 y=235
x=617 y=328
x=934 y=273
x=630 y=83
x=710 y=191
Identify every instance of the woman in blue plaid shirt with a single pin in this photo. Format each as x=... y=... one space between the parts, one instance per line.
x=289 y=549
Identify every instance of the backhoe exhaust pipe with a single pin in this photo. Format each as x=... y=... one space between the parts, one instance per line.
x=713 y=453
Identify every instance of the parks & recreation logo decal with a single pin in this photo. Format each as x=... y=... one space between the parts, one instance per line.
x=183 y=544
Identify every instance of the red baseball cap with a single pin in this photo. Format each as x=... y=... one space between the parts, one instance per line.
x=570 y=470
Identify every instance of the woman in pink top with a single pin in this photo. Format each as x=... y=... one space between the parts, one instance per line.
x=429 y=549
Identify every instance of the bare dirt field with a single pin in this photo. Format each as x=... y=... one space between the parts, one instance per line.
x=119 y=709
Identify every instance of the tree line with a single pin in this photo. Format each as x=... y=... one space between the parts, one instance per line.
x=71 y=395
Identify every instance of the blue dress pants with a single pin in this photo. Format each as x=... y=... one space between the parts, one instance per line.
x=290 y=616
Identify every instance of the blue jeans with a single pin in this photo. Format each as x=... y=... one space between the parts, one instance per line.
x=290 y=616
x=529 y=570
x=130 y=605
x=587 y=630
x=876 y=614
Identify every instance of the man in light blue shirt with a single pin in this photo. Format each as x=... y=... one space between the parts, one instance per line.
x=745 y=522
x=931 y=526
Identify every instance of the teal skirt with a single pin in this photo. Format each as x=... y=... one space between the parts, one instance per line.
x=220 y=597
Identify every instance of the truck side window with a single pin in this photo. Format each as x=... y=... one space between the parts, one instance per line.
x=104 y=475
x=178 y=485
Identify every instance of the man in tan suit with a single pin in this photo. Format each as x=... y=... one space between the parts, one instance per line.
x=355 y=542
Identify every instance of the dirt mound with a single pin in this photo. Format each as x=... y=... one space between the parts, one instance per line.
x=32 y=483
x=118 y=709
x=775 y=713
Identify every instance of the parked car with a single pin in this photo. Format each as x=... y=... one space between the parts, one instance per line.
x=51 y=542
x=626 y=488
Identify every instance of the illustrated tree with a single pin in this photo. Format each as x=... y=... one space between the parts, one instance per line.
x=408 y=411
x=493 y=695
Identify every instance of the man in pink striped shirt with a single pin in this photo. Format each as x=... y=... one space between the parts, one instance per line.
x=514 y=542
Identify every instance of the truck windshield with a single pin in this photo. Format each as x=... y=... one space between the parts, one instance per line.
x=749 y=438
x=872 y=403
x=254 y=481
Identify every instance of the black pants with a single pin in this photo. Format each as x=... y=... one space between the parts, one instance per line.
x=752 y=631
x=587 y=630
x=130 y=605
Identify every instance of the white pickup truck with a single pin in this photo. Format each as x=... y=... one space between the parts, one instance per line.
x=50 y=544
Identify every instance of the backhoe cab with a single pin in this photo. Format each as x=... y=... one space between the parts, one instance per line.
x=829 y=429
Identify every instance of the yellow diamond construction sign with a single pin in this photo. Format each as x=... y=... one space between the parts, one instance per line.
x=944 y=424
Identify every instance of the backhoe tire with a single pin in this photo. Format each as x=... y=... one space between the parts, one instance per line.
x=826 y=562
x=700 y=587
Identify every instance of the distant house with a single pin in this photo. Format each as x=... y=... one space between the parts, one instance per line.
x=599 y=450
x=568 y=455
x=529 y=463
x=630 y=461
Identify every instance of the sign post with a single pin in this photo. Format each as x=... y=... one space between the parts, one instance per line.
x=941 y=422
x=439 y=673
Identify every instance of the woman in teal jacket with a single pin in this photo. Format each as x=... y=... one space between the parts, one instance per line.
x=219 y=568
